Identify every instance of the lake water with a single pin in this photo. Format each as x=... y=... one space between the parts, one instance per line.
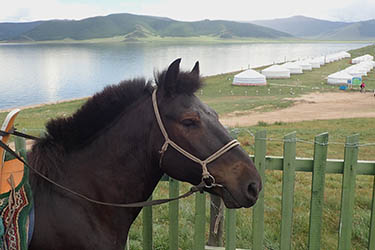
x=34 y=74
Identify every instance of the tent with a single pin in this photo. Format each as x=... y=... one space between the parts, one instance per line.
x=276 y=71
x=362 y=59
x=315 y=63
x=249 y=77
x=293 y=67
x=340 y=77
x=305 y=64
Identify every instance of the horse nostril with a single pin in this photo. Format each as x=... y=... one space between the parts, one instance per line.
x=253 y=189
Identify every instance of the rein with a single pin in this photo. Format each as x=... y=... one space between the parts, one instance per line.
x=129 y=205
x=207 y=178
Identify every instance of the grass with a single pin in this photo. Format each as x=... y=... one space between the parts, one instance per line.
x=224 y=98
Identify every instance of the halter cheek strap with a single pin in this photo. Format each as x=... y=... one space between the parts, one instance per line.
x=207 y=178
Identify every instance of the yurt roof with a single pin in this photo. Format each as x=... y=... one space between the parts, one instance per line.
x=291 y=65
x=341 y=74
x=276 y=68
x=250 y=73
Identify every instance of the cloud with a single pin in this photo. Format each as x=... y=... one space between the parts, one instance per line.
x=358 y=10
x=192 y=10
x=24 y=10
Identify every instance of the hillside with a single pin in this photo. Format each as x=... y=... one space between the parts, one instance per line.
x=301 y=26
x=355 y=31
x=10 y=30
x=136 y=26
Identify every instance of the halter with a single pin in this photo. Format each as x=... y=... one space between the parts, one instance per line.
x=207 y=178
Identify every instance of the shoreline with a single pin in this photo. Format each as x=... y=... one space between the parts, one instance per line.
x=31 y=106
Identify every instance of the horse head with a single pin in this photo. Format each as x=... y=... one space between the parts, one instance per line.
x=192 y=134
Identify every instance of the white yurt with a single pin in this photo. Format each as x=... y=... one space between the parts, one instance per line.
x=340 y=77
x=344 y=54
x=249 y=77
x=315 y=63
x=305 y=64
x=368 y=65
x=353 y=72
x=320 y=59
x=276 y=71
x=357 y=69
x=362 y=59
x=293 y=67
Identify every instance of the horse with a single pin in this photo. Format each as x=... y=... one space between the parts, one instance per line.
x=116 y=147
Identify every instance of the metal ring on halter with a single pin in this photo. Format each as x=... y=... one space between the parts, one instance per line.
x=213 y=181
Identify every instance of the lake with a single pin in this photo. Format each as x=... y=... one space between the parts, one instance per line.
x=40 y=73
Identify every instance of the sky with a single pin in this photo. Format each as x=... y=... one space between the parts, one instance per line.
x=188 y=10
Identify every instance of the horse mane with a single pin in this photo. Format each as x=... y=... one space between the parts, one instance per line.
x=77 y=130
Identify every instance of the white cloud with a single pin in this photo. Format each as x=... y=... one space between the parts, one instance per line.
x=192 y=10
x=48 y=9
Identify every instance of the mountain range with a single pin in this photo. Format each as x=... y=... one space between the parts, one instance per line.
x=317 y=29
x=134 y=27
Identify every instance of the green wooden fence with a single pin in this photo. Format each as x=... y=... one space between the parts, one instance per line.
x=289 y=164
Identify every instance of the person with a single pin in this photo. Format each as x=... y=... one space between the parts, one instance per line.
x=363 y=86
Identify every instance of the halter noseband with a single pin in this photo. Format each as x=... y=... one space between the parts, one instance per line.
x=207 y=178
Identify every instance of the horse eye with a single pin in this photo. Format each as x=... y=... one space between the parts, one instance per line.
x=188 y=122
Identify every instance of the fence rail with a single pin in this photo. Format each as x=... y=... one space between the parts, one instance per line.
x=289 y=164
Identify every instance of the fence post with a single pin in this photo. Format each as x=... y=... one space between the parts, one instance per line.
x=348 y=192
x=371 y=240
x=317 y=190
x=215 y=237
x=147 y=227
x=230 y=229
x=200 y=221
x=258 y=209
x=289 y=156
x=173 y=214
x=20 y=145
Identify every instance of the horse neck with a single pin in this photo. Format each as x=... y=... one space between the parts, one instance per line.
x=125 y=155
x=119 y=166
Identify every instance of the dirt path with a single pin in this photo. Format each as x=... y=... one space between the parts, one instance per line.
x=314 y=106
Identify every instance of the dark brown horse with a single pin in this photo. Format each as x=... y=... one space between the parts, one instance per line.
x=109 y=150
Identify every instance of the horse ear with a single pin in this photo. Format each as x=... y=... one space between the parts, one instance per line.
x=171 y=75
x=195 y=70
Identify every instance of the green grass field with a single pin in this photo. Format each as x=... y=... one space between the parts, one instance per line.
x=224 y=98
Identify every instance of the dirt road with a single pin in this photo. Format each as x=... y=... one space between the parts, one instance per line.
x=314 y=106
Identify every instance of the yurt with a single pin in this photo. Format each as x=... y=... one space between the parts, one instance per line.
x=368 y=65
x=315 y=63
x=353 y=72
x=276 y=71
x=293 y=67
x=305 y=64
x=362 y=59
x=340 y=77
x=357 y=69
x=249 y=77
x=344 y=54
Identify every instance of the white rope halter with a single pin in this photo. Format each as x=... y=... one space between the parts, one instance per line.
x=207 y=178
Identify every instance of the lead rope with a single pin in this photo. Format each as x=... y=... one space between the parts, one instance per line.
x=207 y=178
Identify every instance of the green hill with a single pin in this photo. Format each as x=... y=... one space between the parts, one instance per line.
x=312 y=28
x=356 y=31
x=11 y=30
x=137 y=26
x=301 y=26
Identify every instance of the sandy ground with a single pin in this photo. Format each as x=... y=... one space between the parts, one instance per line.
x=314 y=106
